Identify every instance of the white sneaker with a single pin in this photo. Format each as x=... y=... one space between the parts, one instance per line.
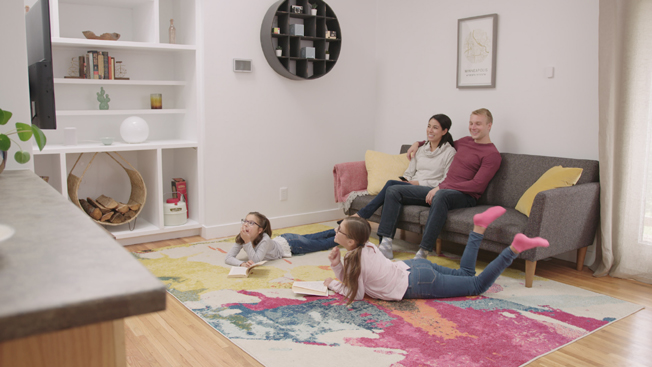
x=421 y=254
x=386 y=249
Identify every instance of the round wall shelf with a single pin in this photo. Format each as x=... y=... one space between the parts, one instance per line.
x=310 y=44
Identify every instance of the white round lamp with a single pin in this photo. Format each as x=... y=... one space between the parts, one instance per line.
x=134 y=130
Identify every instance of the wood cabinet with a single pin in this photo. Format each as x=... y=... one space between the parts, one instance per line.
x=153 y=66
x=285 y=16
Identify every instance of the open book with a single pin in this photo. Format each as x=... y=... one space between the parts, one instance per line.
x=312 y=288
x=241 y=271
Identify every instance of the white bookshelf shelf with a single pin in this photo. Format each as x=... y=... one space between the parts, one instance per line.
x=90 y=147
x=119 y=112
x=117 y=45
x=117 y=82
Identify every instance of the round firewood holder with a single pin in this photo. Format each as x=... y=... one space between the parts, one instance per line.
x=138 y=189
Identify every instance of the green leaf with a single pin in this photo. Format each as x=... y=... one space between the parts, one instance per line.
x=24 y=131
x=21 y=157
x=40 y=138
x=5 y=142
x=4 y=116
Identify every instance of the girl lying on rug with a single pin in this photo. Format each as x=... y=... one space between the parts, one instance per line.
x=255 y=239
x=366 y=270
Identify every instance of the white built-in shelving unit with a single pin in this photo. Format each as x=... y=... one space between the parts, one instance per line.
x=153 y=65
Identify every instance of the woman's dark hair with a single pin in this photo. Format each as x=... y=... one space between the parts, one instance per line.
x=358 y=230
x=264 y=224
x=445 y=123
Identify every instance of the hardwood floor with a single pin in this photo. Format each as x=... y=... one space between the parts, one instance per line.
x=177 y=337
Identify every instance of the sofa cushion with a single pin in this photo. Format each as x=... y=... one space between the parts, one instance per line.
x=553 y=178
x=518 y=172
x=382 y=167
x=501 y=230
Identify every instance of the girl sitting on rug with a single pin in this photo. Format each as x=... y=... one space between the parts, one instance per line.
x=255 y=239
x=367 y=271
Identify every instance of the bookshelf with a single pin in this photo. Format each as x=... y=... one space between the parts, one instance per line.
x=173 y=147
x=291 y=64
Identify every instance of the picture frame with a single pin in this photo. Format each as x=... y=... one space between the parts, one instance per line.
x=297 y=9
x=476 y=51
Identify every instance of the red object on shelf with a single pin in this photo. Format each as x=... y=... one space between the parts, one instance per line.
x=172 y=200
x=179 y=186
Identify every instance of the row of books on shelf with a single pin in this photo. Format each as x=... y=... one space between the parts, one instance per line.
x=98 y=65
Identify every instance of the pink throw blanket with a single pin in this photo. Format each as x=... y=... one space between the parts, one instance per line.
x=350 y=176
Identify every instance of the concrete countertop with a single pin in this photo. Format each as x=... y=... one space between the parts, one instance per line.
x=60 y=269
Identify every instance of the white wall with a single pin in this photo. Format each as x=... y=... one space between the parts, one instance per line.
x=14 y=86
x=532 y=114
x=264 y=131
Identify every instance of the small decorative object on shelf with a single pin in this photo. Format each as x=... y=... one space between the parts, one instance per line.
x=103 y=99
x=276 y=30
x=106 y=140
x=120 y=71
x=104 y=36
x=327 y=55
x=307 y=52
x=157 y=101
x=279 y=51
x=134 y=130
x=297 y=9
x=313 y=11
x=296 y=29
x=74 y=70
x=331 y=34
x=173 y=32
x=70 y=136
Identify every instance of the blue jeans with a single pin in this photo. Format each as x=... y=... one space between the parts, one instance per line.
x=303 y=244
x=428 y=280
x=442 y=202
x=378 y=201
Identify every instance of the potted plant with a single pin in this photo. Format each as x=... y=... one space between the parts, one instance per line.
x=24 y=132
x=279 y=51
x=327 y=55
x=313 y=11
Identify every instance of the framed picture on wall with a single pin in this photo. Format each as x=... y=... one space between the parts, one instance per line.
x=476 y=51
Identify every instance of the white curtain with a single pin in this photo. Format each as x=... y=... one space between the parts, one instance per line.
x=625 y=93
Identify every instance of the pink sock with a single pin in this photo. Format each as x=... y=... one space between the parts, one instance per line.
x=523 y=243
x=484 y=219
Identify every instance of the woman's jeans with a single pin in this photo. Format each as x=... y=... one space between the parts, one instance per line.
x=443 y=201
x=303 y=244
x=428 y=280
x=378 y=201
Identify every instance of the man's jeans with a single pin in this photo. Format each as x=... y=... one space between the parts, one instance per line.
x=444 y=200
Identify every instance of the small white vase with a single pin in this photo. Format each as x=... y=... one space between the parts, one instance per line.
x=279 y=53
x=134 y=130
x=313 y=11
x=327 y=56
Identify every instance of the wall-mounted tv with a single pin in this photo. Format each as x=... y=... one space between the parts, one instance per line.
x=39 y=61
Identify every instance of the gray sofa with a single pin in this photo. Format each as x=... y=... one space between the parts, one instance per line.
x=567 y=217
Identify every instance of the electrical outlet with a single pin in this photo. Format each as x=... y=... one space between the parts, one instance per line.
x=283 y=194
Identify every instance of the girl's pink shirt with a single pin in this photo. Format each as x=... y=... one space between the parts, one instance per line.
x=380 y=278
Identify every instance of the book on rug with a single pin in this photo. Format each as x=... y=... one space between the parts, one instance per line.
x=241 y=271
x=311 y=288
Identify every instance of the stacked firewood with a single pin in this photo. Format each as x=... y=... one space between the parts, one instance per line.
x=105 y=209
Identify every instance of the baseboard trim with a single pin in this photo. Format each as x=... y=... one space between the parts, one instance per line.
x=232 y=229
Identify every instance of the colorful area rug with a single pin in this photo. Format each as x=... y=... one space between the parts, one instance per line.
x=509 y=325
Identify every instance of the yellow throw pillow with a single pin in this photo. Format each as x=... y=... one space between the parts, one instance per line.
x=555 y=177
x=382 y=167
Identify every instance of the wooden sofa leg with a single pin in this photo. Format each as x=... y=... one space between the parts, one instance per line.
x=438 y=247
x=581 y=254
x=530 y=266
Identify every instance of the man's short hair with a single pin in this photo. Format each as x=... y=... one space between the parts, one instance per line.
x=486 y=112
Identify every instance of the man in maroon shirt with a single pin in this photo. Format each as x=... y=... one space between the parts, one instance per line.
x=474 y=165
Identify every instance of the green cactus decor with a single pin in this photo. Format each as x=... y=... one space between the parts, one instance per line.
x=103 y=99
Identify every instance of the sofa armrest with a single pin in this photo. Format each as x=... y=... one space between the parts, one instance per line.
x=567 y=217
x=348 y=177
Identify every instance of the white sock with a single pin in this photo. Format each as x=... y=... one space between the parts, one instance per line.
x=386 y=242
x=421 y=254
x=386 y=248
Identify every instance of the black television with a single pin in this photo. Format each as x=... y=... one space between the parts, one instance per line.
x=39 y=61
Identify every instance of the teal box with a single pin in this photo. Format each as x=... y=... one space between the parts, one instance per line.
x=296 y=29
x=308 y=52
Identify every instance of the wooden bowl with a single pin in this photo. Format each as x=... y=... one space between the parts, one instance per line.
x=104 y=36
